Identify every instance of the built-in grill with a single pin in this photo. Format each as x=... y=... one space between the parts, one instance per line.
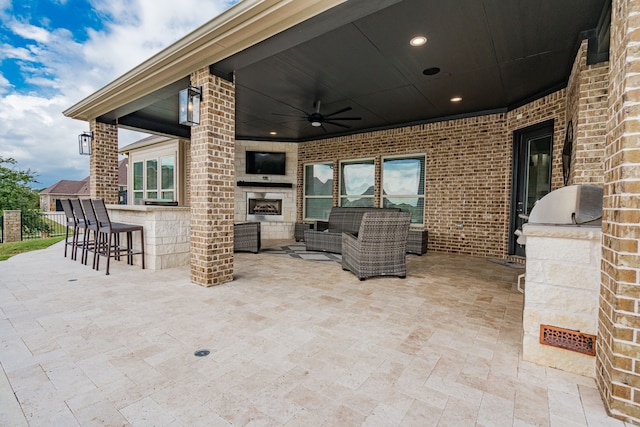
x=579 y=205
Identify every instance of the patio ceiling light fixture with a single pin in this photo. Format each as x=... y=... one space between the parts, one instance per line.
x=418 y=41
x=84 y=143
x=190 y=106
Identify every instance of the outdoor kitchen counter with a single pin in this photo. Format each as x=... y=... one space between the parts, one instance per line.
x=166 y=232
x=561 y=289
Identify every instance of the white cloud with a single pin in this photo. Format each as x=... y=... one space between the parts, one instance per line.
x=8 y=51
x=30 y=32
x=59 y=72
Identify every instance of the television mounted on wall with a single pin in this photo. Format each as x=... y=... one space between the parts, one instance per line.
x=266 y=163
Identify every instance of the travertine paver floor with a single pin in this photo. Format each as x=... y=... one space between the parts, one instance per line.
x=291 y=343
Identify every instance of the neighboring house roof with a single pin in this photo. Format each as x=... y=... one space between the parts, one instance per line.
x=67 y=187
x=144 y=142
x=81 y=188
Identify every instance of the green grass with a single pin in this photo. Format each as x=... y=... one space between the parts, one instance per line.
x=7 y=250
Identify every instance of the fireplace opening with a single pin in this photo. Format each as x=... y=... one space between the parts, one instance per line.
x=264 y=207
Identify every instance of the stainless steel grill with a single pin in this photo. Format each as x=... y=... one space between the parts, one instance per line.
x=570 y=205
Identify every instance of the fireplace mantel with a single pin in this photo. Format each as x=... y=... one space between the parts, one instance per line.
x=264 y=184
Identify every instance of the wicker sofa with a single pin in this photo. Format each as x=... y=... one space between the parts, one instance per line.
x=327 y=235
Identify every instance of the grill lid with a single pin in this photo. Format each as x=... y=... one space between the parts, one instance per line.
x=573 y=204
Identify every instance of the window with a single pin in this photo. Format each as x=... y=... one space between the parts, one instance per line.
x=403 y=185
x=357 y=183
x=151 y=182
x=138 y=183
x=318 y=190
x=167 y=174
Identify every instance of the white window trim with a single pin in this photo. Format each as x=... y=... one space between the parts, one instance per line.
x=154 y=153
x=354 y=161
x=408 y=196
x=304 y=189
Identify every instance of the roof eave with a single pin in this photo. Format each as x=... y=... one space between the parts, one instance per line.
x=245 y=24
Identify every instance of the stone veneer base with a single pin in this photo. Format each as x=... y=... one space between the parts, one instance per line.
x=561 y=289
x=166 y=232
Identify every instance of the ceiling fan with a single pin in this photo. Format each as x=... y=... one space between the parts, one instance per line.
x=317 y=119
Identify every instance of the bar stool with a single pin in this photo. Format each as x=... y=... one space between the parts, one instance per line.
x=73 y=225
x=108 y=244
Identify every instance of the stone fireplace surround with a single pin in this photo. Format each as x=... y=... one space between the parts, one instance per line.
x=284 y=186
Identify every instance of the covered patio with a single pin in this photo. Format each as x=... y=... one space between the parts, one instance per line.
x=287 y=347
x=568 y=68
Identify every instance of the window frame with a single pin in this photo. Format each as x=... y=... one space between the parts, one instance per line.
x=306 y=197
x=157 y=154
x=417 y=156
x=341 y=196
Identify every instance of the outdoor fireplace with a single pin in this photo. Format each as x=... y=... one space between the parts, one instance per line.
x=264 y=207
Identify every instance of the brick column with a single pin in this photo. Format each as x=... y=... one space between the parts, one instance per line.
x=587 y=104
x=103 y=166
x=12 y=226
x=212 y=182
x=618 y=350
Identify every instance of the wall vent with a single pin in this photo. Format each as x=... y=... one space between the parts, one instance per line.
x=568 y=339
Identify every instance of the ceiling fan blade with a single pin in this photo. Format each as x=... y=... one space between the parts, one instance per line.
x=338 y=112
x=336 y=124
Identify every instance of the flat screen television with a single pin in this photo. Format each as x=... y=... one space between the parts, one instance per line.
x=266 y=163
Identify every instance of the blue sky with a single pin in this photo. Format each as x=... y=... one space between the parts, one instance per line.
x=53 y=53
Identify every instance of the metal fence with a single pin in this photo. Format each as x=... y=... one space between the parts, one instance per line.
x=43 y=225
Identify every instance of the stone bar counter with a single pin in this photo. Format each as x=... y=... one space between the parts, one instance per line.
x=561 y=290
x=166 y=232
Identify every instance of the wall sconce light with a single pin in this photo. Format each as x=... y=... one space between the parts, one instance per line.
x=84 y=143
x=190 y=106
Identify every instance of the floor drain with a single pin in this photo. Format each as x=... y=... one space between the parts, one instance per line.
x=201 y=353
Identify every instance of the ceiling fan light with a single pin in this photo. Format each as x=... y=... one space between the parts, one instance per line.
x=316 y=123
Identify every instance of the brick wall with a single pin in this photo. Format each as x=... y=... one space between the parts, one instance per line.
x=212 y=182
x=468 y=171
x=618 y=351
x=103 y=166
x=587 y=103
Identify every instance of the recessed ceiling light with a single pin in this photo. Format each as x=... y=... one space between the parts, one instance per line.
x=418 y=41
x=273 y=132
x=431 y=71
x=456 y=99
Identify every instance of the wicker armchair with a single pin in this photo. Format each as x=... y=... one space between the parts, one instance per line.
x=246 y=237
x=380 y=247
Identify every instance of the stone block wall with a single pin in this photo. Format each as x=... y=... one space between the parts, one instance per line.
x=268 y=229
x=561 y=289
x=103 y=166
x=12 y=225
x=166 y=232
x=618 y=356
x=468 y=171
